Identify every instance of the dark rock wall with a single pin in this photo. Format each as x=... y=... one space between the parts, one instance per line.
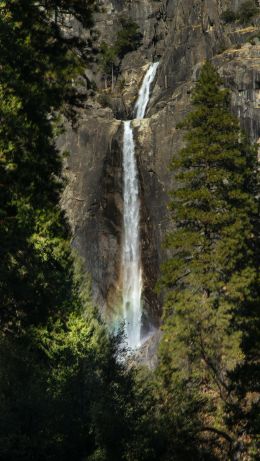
x=182 y=34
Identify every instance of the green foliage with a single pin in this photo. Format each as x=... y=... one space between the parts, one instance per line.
x=247 y=11
x=128 y=39
x=108 y=57
x=228 y=16
x=66 y=391
x=211 y=277
x=36 y=82
x=63 y=392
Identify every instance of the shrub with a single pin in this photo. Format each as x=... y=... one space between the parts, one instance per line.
x=129 y=38
x=247 y=11
x=228 y=16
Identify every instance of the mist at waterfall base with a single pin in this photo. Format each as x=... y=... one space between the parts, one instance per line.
x=131 y=264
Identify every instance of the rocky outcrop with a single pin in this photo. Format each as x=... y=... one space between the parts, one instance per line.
x=181 y=34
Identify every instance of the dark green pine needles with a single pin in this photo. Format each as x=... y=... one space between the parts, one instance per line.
x=209 y=313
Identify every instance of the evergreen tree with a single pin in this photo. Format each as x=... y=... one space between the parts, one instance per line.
x=211 y=278
x=128 y=39
x=38 y=66
x=64 y=393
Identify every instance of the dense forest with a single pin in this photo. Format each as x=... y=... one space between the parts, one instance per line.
x=68 y=389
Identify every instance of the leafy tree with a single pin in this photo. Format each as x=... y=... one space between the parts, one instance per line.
x=211 y=278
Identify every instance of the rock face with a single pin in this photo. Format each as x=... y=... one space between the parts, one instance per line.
x=181 y=34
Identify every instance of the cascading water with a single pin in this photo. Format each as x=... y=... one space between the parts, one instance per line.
x=131 y=252
x=131 y=257
x=144 y=92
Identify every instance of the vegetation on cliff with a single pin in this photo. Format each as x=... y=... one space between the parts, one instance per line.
x=245 y=13
x=128 y=39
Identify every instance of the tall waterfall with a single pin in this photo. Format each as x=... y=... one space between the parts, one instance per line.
x=131 y=252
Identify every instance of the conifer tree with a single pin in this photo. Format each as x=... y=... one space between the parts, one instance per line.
x=36 y=84
x=64 y=395
x=211 y=276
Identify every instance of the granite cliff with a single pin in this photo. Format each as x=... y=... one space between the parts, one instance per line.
x=181 y=34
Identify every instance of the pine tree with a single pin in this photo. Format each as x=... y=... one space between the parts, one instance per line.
x=36 y=85
x=64 y=395
x=211 y=276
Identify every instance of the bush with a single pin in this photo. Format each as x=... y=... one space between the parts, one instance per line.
x=247 y=11
x=128 y=38
x=228 y=16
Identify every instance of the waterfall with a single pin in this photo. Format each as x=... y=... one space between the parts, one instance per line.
x=131 y=248
x=144 y=92
x=131 y=257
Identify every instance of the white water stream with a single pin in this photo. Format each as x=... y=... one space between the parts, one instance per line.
x=131 y=252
